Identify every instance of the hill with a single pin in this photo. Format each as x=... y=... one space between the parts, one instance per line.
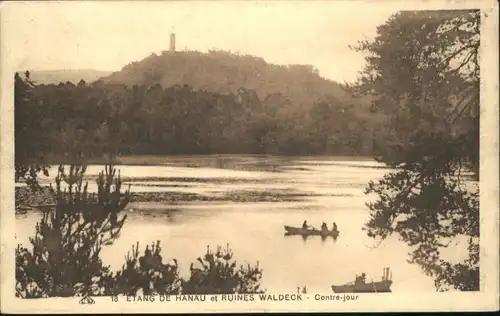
x=65 y=75
x=225 y=72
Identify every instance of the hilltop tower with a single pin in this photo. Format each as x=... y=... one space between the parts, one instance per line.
x=172 y=42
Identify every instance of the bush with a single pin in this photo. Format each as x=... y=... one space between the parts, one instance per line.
x=147 y=274
x=219 y=275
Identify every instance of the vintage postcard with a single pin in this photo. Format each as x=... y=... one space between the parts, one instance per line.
x=249 y=156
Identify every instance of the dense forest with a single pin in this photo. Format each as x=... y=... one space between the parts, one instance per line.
x=178 y=119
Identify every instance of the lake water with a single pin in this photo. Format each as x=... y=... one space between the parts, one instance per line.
x=329 y=189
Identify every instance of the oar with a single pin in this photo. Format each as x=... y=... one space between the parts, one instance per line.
x=374 y=287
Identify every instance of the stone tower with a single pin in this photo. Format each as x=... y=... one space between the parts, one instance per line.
x=172 y=42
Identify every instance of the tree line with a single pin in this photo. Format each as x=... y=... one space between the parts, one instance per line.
x=136 y=120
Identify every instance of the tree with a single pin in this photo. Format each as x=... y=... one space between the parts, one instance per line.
x=422 y=69
x=30 y=139
x=64 y=259
x=423 y=72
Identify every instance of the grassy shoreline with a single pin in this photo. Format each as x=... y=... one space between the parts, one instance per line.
x=27 y=199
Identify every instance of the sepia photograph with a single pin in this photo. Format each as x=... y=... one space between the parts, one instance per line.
x=249 y=155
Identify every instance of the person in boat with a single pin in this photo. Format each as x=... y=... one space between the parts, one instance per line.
x=334 y=227
x=324 y=227
x=304 y=225
x=361 y=279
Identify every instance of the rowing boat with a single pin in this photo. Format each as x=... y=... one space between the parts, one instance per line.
x=382 y=286
x=310 y=232
x=379 y=287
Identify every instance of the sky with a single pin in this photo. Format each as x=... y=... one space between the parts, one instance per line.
x=109 y=35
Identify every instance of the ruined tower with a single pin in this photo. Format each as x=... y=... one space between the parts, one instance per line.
x=172 y=42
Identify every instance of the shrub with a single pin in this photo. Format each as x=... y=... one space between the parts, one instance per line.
x=219 y=275
x=147 y=274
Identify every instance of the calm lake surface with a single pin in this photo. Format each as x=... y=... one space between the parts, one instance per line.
x=328 y=189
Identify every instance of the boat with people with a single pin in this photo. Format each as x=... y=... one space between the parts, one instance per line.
x=310 y=232
x=361 y=286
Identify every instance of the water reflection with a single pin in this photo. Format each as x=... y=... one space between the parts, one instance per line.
x=171 y=215
x=306 y=237
x=248 y=209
